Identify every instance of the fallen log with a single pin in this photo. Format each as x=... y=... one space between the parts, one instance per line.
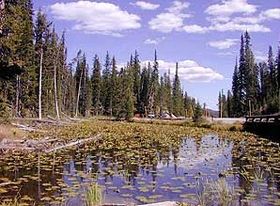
x=71 y=144
x=25 y=128
x=42 y=145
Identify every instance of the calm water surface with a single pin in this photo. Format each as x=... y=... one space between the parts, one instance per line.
x=143 y=175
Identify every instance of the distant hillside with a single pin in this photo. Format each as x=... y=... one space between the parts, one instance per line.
x=213 y=113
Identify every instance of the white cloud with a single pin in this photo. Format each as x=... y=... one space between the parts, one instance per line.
x=271 y=14
x=172 y=19
x=166 y=22
x=229 y=7
x=146 y=5
x=222 y=19
x=96 y=17
x=260 y=56
x=223 y=44
x=226 y=53
x=178 y=7
x=154 y=41
x=231 y=26
x=189 y=70
x=195 y=29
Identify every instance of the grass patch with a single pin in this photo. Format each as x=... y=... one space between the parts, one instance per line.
x=9 y=132
x=94 y=195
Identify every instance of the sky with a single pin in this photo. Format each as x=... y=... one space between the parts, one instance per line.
x=203 y=36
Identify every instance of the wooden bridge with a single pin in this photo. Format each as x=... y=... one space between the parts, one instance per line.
x=264 y=119
x=267 y=125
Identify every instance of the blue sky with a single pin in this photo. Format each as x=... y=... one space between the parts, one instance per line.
x=203 y=36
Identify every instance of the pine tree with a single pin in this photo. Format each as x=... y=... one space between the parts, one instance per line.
x=236 y=104
x=251 y=76
x=144 y=90
x=242 y=78
x=96 y=86
x=114 y=85
x=278 y=77
x=136 y=80
x=81 y=77
x=106 y=89
x=177 y=95
x=229 y=104
x=198 y=112
x=272 y=101
x=26 y=55
x=272 y=71
x=168 y=92
x=41 y=31
x=129 y=98
x=153 y=88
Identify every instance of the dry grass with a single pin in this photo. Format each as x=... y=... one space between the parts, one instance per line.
x=9 y=132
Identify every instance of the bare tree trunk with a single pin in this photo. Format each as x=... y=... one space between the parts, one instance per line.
x=55 y=91
x=78 y=95
x=40 y=84
x=17 y=96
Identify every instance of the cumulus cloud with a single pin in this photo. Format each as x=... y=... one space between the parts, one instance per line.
x=232 y=26
x=146 y=5
x=96 y=17
x=189 y=70
x=234 y=15
x=172 y=19
x=223 y=44
x=229 y=15
x=195 y=29
x=226 y=53
x=229 y=7
x=260 y=56
x=271 y=14
x=154 y=41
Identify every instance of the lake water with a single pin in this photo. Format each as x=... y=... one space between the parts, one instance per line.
x=180 y=173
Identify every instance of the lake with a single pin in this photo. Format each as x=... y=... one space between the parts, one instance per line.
x=136 y=173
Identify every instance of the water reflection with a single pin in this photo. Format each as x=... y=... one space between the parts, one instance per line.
x=146 y=173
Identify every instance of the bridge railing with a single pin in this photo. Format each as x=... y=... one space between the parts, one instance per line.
x=263 y=119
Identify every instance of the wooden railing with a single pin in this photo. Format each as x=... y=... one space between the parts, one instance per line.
x=263 y=119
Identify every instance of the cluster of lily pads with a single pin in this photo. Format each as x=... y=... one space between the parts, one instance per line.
x=136 y=163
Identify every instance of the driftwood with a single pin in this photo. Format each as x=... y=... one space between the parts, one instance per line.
x=44 y=145
x=71 y=144
x=25 y=128
x=6 y=183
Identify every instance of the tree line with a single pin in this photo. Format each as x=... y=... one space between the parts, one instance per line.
x=255 y=86
x=37 y=80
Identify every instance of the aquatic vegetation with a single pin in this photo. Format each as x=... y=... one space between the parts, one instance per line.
x=223 y=193
x=143 y=163
x=94 y=195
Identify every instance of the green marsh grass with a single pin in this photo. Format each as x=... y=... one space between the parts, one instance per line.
x=94 y=195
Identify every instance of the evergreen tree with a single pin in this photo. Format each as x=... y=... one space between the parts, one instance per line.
x=198 y=112
x=251 y=76
x=114 y=83
x=144 y=90
x=278 y=77
x=272 y=101
x=136 y=80
x=242 y=79
x=153 y=88
x=177 y=95
x=168 y=92
x=236 y=104
x=81 y=77
x=106 y=89
x=96 y=86
x=229 y=104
